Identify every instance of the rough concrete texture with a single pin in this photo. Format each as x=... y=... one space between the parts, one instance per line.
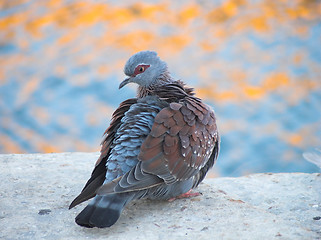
x=36 y=190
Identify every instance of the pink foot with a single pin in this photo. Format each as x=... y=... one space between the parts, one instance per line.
x=185 y=195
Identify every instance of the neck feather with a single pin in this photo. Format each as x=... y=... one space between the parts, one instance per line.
x=163 y=79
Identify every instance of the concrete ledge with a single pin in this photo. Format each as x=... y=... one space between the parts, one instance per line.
x=36 y=190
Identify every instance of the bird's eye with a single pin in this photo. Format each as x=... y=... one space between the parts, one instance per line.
x=140 y=69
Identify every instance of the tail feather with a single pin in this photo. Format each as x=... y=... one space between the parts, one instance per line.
x=104 y=210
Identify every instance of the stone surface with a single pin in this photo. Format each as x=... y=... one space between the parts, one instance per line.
x=36 y=190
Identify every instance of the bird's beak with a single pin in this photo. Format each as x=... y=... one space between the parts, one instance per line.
x=126 y=81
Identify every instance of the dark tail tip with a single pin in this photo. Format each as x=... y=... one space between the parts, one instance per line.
x=97 y=217
x=83 y=217
x=103 y=212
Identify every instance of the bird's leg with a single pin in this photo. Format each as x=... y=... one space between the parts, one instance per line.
x=186 y=195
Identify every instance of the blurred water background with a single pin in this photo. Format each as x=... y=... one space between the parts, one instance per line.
x=257 y=62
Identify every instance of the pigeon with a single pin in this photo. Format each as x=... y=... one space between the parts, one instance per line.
x=159 y=145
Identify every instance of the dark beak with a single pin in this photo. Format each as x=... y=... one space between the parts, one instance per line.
x=126 y=81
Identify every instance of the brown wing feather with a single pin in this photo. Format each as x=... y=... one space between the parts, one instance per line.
x=98 y=175
x=186 y=135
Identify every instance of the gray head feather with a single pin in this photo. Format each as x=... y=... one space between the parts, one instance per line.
x=157 y=68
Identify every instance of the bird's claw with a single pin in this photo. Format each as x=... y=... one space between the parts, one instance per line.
x=188 y=194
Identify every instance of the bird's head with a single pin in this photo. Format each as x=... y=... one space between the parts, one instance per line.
x=144 y=68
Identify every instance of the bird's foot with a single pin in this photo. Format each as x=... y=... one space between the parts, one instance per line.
x=188 y=194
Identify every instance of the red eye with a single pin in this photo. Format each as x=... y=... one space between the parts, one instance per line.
x=140 y=69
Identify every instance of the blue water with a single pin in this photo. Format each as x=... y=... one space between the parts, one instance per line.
x=58 y=95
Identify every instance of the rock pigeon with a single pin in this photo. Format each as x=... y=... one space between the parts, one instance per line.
x=159 y=145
